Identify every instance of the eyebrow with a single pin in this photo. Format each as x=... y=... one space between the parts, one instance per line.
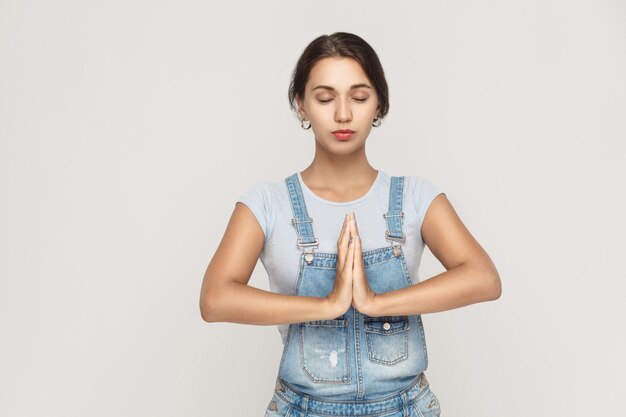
x=352 y=87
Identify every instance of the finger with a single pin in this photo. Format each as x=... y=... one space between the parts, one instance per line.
x=350 y=255
x=358 y=241
x=358 y=260
x=342 y=245
x=350 y=229
x=344 y=230
x=353 y=231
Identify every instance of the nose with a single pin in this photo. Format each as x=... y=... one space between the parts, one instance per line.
x=342 y=112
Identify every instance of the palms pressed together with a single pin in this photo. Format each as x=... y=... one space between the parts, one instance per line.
x=351 y=264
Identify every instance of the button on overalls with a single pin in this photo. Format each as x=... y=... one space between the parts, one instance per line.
x=354 y=364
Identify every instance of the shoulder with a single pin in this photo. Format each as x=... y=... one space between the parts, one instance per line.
x=419 y=185
x=263 y=198
x=416 y=185
x=421 y=190
x=265 y=190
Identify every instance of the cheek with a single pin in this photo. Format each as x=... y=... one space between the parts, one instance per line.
x=372 y=106
x=322 y=114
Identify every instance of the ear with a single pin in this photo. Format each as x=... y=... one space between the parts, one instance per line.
x=301 y=107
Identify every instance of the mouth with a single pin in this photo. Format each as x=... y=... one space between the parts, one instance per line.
x=343 y=134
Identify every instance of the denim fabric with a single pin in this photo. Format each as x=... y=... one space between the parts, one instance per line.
x=416 y=400
x=354 y=364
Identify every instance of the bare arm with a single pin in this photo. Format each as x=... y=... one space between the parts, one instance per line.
x=470 y=276
x=226 y=296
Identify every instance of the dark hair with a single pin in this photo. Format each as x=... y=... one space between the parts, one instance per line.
x=339 y=44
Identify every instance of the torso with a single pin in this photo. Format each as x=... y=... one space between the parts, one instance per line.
x=280 y=255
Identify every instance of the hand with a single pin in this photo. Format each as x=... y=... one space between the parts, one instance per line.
x=341 y=294
x=362 y=294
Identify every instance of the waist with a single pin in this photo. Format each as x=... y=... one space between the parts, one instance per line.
x=399 y=401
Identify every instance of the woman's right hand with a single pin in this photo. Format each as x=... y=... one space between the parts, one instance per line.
x=341 y=295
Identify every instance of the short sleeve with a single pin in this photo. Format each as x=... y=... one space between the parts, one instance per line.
x=255 y=197
x=424 y=193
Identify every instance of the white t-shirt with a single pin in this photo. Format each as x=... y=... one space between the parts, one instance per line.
x=269 y=201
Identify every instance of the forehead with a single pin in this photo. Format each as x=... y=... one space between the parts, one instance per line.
x=337 y=72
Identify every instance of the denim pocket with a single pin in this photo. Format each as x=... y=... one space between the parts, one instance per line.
x=427 y=404
x=324 y=350
x=387 y=339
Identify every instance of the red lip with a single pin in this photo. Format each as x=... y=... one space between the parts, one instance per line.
x=343 y=134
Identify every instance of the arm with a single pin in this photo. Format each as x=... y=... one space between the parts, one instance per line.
x=470 y=276
x=225 y=295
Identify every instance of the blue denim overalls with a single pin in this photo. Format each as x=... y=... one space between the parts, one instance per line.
x=354 y=364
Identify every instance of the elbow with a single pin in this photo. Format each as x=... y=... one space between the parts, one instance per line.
x=208 y=306
x=493 y=285
x=486 y=282
x=205 y=311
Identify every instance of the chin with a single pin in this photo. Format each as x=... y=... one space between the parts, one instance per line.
x=343 y=148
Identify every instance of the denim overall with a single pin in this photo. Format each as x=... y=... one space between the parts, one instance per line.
x=354 y=364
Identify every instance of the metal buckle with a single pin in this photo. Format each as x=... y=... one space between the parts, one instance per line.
x=306 y=245
x=385 y=215
x=393 y=238
x=294 y=221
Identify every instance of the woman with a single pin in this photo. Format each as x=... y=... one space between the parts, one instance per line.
x=344 y=288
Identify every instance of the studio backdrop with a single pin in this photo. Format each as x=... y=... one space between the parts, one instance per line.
x=129 y=128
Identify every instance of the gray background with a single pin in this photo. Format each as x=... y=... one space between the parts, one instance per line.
x=129 y=128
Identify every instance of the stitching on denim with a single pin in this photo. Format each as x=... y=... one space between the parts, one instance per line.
x=369 y=336
x=344 y=362
x=420 y=327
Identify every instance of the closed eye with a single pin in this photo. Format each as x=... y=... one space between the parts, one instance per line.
x=361 y=100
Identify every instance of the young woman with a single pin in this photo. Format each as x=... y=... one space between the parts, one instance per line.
x=342 y=242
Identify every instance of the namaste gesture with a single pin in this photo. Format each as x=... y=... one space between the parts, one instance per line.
x=351 y=286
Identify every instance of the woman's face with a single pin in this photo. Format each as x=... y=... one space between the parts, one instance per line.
x=338 y=95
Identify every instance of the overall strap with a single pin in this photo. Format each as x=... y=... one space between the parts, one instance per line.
x=301 y=220
x=395 y=214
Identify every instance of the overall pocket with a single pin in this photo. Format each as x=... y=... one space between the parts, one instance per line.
x=324 y=350
x=427 y=405
x=387 y=339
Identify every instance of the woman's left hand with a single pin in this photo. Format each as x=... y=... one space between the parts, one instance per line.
x=362 y=294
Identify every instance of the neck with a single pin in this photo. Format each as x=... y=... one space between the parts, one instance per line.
x=339 y=171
